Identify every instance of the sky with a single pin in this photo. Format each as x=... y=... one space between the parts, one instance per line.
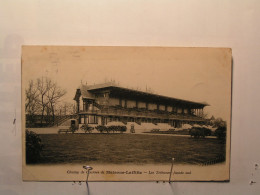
x=195 y=74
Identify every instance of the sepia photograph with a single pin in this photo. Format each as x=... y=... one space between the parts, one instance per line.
x=129 y=113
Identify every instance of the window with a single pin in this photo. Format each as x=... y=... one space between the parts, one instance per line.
x=82 y=120
x=92 y=119
x=84 y=105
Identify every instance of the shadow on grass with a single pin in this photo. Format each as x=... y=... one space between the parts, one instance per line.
x=128 y=148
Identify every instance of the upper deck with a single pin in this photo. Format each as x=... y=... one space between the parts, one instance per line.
x=91 y=91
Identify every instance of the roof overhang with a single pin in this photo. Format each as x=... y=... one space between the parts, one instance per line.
x=116 y=91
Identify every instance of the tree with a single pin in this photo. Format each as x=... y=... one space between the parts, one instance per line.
x=65 y=108
x=43 y=86
x=41 y=97
x=204 y=115
x=221 y=126
x=54 y=94
x=219 y=122
x=31 y=102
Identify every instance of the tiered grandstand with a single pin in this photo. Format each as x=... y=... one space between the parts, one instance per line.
x=104 y=103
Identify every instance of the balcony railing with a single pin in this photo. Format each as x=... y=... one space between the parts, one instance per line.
x=88 y=112
x=142 y=113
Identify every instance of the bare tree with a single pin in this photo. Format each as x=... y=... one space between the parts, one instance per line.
x=65 y=108
x=69 y=108
x=59 y=109
x=31 y=101
x=54 y=94
x=42 y=97
x=43 y=85
x=204 y=115
x=219 y=122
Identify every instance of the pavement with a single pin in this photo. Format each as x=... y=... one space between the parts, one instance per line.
x=54 y=130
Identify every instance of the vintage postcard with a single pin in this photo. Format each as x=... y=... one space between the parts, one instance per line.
x=129 y=113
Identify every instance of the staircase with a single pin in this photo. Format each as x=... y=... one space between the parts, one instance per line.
x=138 y=122
x=124 y=121
x=98 y=105
x=155 y=123
x=60 y=119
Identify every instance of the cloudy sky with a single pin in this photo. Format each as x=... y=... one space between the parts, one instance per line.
x=196 y=74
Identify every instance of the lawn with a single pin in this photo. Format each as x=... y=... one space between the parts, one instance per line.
x=128 y=148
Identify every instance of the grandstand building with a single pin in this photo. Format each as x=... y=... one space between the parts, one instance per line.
x=103 y=103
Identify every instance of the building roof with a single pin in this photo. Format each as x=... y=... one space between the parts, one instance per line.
x=115 y=91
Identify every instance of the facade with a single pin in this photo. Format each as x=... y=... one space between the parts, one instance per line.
x=104 y=103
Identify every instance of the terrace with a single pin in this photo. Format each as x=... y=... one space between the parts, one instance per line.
x=142 y=113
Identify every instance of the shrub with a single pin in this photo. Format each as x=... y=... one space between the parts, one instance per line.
x=155 y=130
x=101 y=128
x=110 y=129
x=207 y=132
x=122 y=129
x=221 y=132
x=33 y=147
x=87 y=128
x=117 y=128
x=114 y=128
x=198 y=132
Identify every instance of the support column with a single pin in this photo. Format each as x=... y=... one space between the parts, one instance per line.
x=87 y=105
x=146 y=105
x=174 y=109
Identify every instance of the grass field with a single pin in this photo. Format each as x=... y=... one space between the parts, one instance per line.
x=128 y=148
